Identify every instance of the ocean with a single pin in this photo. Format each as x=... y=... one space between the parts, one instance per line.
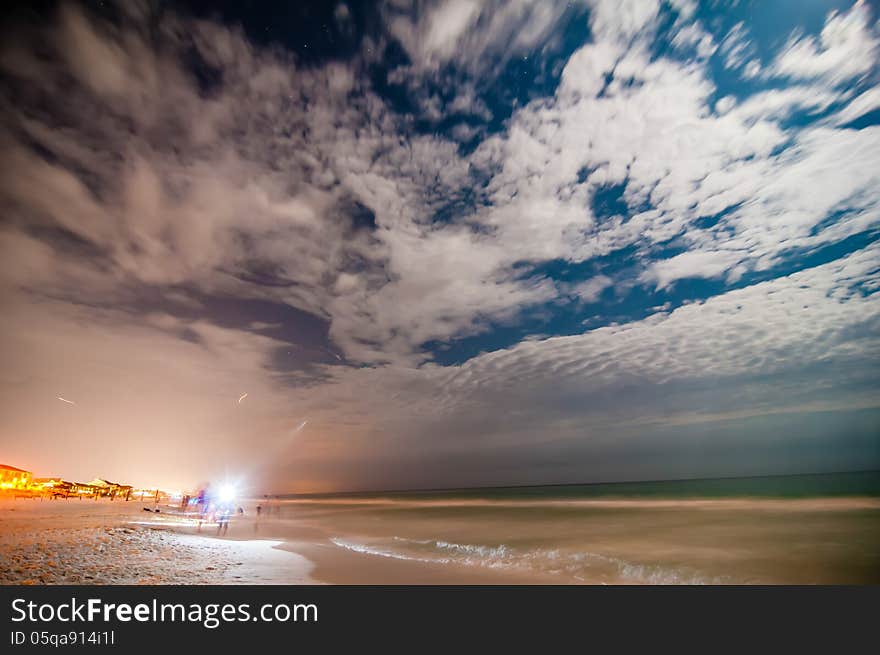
x=799 y=529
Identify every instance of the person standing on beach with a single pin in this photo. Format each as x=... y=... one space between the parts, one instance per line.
x=223 y=520
x=204 y=504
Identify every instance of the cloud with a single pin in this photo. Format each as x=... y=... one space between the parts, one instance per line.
x=646 y=124
x=437 y=40
x=690 y=264
x=622 y=20
x=846 y=48
x=789 y=323
x=158 y=408
x=256 y=201
x=736 y=48
x=693 y=36
x=860 y=106
x=457 y=49
x=590 y=290
x=247 y=205
x=155 y=172
x=787 y=346
x=473 y=35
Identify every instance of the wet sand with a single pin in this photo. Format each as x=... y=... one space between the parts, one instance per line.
x=334 y=565
x=48 y=542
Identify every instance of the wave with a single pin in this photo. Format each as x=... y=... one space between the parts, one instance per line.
x=582 y=565
x=381 y=552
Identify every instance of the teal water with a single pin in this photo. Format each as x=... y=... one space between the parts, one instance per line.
x=816 y=485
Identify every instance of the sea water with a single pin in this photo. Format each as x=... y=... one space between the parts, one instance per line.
x=805 y=529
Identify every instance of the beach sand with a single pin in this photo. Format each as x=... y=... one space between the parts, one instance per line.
x=104 y=542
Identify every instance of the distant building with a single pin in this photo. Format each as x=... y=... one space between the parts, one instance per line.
x=46 y=482
x=14 y=478
x=83 y=489
x=150 y=494
x=52 y=486
x=112 y=489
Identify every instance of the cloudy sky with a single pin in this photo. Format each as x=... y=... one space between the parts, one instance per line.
x=439 y=244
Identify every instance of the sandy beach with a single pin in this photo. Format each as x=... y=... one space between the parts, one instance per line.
x=103 y=542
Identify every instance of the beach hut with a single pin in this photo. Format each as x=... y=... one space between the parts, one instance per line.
x=104 y=486
x=111 y=489
x=51 y=486
x=83 y=490
x=54 y=487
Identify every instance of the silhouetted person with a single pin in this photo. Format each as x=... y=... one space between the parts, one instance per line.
x=223 y=521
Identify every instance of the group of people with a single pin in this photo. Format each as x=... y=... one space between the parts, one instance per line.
x=222 y=516
x=211 y=509
x=221 y=512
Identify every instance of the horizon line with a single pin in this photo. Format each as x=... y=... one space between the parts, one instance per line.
x=568 y=484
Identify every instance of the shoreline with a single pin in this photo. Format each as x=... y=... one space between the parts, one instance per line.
x=328 y=563
x=53 y=542
x=115 y=542
x=104 y=542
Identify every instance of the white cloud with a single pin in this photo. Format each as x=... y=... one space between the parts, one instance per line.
x=693 y=37
x=245 y=198
x=651 y=129
x=591 y=289
x=752 y=69
x=846 y=48
x=622 y=20
x=477 y=36
x=859 y=106
x=736 y=47
x=778 y=104
x=705 y=264
x=790 y=322
x=794 y=344
x=244 y=187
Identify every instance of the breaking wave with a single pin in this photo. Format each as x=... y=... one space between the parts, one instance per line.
x=580 y=566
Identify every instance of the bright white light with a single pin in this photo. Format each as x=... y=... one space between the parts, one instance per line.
x=227 y=493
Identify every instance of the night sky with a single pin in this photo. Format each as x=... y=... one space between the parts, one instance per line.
x=439 y=244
